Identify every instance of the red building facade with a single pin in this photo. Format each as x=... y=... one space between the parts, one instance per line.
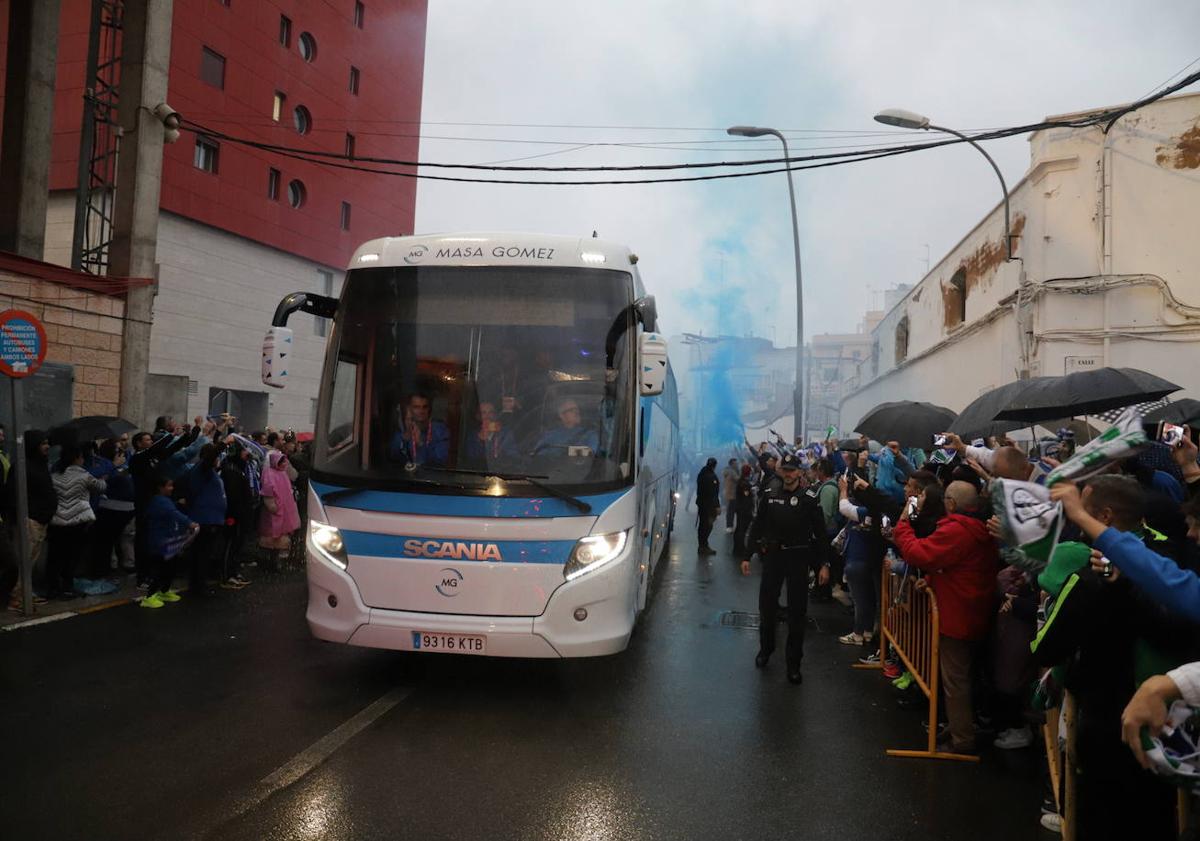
x=319 y=75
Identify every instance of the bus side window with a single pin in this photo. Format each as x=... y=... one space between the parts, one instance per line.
x=343 y=406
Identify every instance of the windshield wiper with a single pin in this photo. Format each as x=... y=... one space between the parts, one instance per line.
x=381 y=485
x=517 y=477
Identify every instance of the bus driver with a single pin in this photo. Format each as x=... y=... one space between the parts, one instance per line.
x=571 y=433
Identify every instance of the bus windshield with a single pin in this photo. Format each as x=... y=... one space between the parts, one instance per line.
x=442 y=377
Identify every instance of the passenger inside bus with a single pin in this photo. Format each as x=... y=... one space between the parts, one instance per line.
x=570 y=433
x=492 y=438
x=420 y=439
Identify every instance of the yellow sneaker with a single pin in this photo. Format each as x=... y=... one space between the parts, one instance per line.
x=151 y=600
x=168 y=595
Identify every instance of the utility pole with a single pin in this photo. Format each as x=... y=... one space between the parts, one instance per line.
x=145 y=61
x=30 y=72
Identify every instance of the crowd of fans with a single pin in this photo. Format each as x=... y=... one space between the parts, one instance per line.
x=200 y=501
x=1109 y=612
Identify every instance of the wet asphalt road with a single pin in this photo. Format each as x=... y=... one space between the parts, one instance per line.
x=212 y=719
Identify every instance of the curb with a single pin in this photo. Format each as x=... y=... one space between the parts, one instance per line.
x=66 y=614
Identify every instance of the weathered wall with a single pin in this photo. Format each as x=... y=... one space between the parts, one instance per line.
x=83 y=329
x=1109 y=256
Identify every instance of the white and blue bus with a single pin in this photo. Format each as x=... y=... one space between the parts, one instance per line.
x=495 y=456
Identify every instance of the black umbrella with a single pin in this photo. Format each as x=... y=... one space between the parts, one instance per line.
x=907 y=422
x=1086 y=393
x=1186 y=411
x=977 y=420
x=91 y=428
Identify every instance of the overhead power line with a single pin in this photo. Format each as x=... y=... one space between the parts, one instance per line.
x=1107 y=118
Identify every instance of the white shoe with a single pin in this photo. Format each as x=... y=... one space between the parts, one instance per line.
x=1017 y=737
x=842 y=596
x=729 y=531
x=1052 y=822
x=851 y=639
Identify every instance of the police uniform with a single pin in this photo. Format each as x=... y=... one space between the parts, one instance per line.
x=789 y=536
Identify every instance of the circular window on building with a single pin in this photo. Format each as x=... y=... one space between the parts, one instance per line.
x=301 y=119
x=308 y=46
x=297 y=195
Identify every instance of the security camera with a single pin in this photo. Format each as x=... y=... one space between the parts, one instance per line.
x=168 y=115
x=170 y=120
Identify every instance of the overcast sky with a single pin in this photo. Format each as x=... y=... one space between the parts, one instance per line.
x=665 y=67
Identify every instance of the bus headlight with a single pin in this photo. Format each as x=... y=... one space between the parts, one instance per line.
x=594 y=551
x=328 y=541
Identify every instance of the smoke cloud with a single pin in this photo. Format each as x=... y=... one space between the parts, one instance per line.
x=724 y=305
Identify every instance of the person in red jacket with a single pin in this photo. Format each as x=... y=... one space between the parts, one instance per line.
x=960 y=560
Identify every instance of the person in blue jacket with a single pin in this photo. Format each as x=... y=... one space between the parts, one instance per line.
x=421 y=439
x=570 y=433
x=1162 y=579
x=204 y=496
x=168 y=531
x=114 y=508
x=492 y=439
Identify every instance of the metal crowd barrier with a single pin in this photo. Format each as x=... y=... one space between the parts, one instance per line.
x=1063 y=769
x=908 y=622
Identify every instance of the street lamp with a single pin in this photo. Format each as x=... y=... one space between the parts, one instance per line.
x=800 y=392
x=907 y=119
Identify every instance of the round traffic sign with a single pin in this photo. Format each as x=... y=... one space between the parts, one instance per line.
x=22 y=343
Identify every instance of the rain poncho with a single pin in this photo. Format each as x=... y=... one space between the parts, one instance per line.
x=276 y=486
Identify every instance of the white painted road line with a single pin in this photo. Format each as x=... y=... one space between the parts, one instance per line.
x=41 y=620
x=312 y=756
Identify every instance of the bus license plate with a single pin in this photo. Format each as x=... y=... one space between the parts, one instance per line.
x=449 y=643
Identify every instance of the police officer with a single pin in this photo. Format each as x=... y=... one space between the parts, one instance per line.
x=789 y=536
x=708 y=504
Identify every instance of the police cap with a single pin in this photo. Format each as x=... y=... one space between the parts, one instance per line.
x=789 y=461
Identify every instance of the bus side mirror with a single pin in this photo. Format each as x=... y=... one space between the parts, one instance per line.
x=652 y=364
x=276 y=356
x=647 y=312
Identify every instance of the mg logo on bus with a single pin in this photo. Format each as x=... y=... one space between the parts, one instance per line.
x=450 y=581
x=416 y=254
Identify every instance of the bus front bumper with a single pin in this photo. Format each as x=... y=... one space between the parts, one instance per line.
x=337 y=613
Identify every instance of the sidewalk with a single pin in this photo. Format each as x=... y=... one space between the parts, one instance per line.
x=51 y=611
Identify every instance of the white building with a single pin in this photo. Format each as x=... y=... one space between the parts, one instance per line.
x=217 y=292
x=837 y=363
x=1106 y=272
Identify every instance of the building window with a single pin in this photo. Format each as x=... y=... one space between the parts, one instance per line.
x=297 y=195
x=273 y=184
x=308 y=46
x=354 y=80
x=901 y=340
x=207 y=153
x=277 y=108
x=302 y=120
x=345 y=216
x=321 y=325
x=212 y=68
x=349 y=145
x=359 y=12
x=285 y=30
x=955 y=300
